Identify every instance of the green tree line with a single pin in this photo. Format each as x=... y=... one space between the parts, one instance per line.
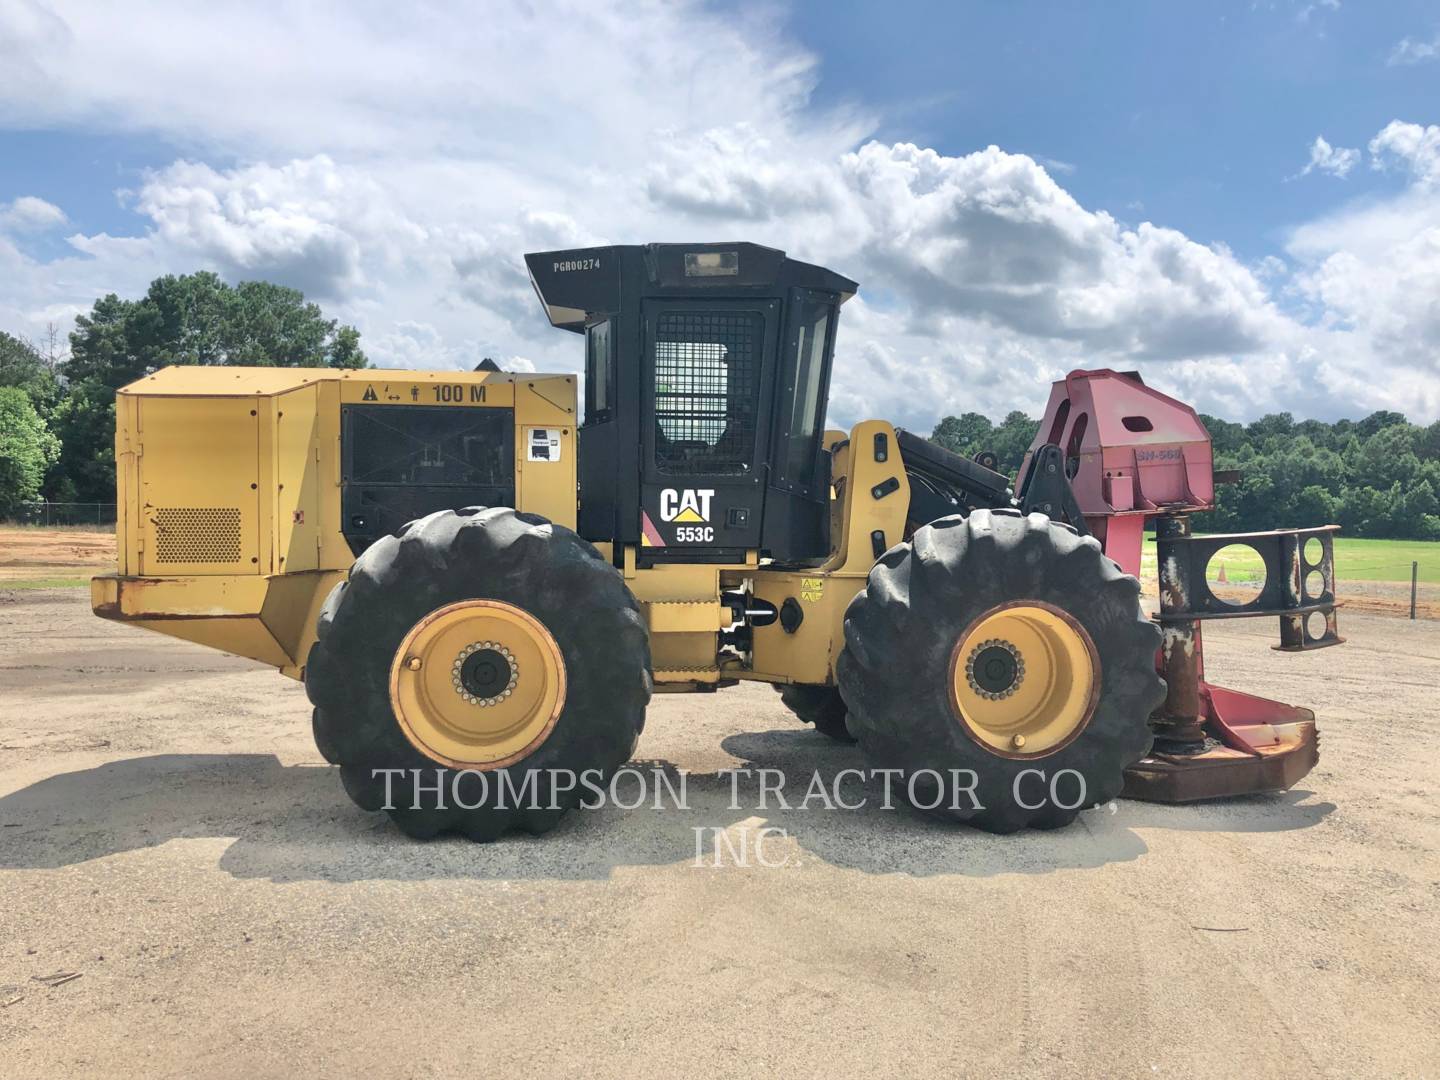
x=57 y=416
x=1377 y=477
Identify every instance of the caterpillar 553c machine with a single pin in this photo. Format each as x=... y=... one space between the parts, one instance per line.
x=412 y=546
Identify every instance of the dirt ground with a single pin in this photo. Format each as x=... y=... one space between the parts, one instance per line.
x=1356 y=597
x=168 y=833
x=1388 y=598
x=53 y=555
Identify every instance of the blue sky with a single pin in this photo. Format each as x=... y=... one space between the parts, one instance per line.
x=1190 y=114
x=81 y=171
x=1147 y=204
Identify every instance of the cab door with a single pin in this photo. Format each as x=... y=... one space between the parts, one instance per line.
x=706 y=395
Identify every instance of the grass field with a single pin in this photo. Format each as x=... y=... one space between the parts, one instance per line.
x=1355 y=560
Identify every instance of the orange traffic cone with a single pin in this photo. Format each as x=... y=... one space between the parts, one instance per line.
x=1221 y=579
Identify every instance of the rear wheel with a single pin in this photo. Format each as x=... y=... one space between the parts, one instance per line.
x=1004 y=666
x=819 y=705
x=493 y=655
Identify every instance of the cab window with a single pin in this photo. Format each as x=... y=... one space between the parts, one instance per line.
x=807 y=405
x=598 y=372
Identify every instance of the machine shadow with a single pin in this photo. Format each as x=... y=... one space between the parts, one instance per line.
x=899 y=840
x=293 y=823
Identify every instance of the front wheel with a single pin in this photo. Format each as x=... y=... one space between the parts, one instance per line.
x=1004 y=667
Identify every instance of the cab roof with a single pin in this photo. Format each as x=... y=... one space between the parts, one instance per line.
x=576 y=284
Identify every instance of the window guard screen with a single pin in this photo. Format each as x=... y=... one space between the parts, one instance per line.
x=707 y=391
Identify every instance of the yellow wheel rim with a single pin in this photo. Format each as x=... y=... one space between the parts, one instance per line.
x=1024 y=679
x=478 y=684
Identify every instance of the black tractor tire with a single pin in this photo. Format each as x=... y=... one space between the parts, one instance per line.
x=901 y=630
x=479 y=553
x=819 y=705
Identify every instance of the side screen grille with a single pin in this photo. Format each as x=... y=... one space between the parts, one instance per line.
x=193 y=534
x=402 y=462
x=430 y=446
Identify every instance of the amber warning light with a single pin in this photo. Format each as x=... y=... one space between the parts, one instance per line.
x=712 y=263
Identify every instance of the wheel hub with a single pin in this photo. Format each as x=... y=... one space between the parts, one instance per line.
x=484 y=673
x=1025 y=678
x=995 y=669
x=477 y=684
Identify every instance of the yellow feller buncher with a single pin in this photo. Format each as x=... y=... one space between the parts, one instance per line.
x=475 y=582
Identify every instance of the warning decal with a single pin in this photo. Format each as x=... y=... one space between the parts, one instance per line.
x=649 y=534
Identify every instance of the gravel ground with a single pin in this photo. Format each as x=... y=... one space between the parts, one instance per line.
x=168 y=832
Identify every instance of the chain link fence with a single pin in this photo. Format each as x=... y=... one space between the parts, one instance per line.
x=51 y=514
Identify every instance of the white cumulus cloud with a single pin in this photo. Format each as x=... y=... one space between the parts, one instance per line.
x=30 y=213
x=1410 y=51
x=979 y=262
x=1415 y=147
x=1335 y=160
x=295 y=224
